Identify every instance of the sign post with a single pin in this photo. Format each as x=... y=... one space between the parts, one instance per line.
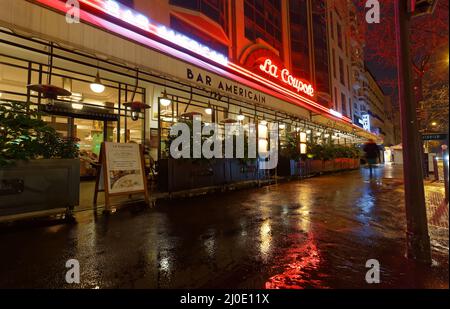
x=121 y=172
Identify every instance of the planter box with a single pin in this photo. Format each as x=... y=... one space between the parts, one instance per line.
x=184 y=174
x=239 y=171
x=316 y=166
x=39 y=186
x=181 y=174
x=338 y=164
x=288 y=167
x=284 y=166
x=328 y=166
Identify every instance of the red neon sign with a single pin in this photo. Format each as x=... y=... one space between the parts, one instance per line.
x=286 y=77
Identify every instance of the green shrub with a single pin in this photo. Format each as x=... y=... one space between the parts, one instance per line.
x=331 y=151
x=24 y=136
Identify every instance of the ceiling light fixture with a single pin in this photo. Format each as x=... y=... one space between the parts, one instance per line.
x=209 y=110
x=165 y=101
x=240 y=117
x=97 y=85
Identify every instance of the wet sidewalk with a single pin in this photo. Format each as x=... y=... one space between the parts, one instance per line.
x=317 y=232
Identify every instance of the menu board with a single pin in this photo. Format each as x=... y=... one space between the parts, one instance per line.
x=121 y=171
x=123 y=168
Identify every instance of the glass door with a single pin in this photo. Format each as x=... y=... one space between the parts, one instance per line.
x=90 y=135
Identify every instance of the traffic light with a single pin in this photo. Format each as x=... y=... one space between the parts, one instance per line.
x=421 y=7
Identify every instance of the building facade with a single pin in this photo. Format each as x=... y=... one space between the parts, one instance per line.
x=341 y=61
x=376 y=107
x=221 y=59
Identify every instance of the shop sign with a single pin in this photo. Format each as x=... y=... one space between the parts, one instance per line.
x=225 y=86
x=286 y=77
x=121 y=171
x=434 y=136
x=366 y=122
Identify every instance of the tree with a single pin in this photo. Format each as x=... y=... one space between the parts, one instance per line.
x=429 y=58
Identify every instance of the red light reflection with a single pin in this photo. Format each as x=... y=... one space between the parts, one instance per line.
x=300 y=263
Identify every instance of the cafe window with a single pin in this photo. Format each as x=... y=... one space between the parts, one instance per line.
x=341 y=71
x=339 y=35
x=344 y=104
x=90 y=117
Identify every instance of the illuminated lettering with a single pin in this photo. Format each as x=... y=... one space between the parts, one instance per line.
x=269 y=68
x=136 y=19
x=190 y=44
x=286 y=77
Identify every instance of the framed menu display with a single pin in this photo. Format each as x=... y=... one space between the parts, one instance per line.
x=121 y=172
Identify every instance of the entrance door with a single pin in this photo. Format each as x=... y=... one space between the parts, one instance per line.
x=90 y=135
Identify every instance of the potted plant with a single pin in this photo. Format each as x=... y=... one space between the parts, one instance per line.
x=189 y=173
x=289 y=160
x=39 y=169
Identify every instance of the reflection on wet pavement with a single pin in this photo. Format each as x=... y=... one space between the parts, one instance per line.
x=313 y=233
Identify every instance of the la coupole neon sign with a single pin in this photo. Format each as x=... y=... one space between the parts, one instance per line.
x=286 y=77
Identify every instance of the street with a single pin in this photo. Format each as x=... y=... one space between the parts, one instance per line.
x=312 y=233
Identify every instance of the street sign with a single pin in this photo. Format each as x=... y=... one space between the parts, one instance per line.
x=434 y=136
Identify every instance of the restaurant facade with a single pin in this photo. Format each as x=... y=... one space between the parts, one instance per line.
x=115 y=55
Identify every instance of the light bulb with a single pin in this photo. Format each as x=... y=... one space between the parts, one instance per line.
x=208 y=110
x=165 y=101
x=240 y=117
x=97 y=88
x=97 y=85
x=282 y=126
